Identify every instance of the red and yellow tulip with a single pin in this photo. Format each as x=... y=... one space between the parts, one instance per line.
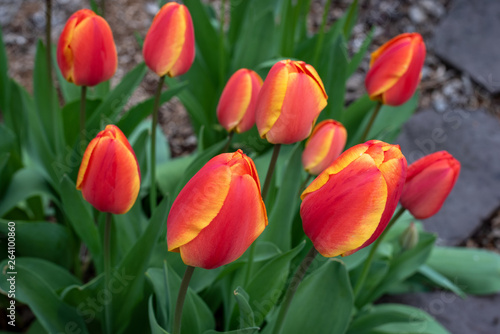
x=218 y=214
x=428 y=183
x=236 y=108
x=289 y=102
x=351 y=202
x=86 y=52
x=109 y=176
x=395 y=69
x=169 y=44
x=325 y=144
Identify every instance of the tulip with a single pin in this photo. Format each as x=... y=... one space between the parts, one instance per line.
x=289 y=103
x=86 y=52
x=236 y=109
x=109 y=176
x=395 y=69
x=169 y=44
x=428 y=183
x=324 y=145
x=218 y=214
x=351 y=202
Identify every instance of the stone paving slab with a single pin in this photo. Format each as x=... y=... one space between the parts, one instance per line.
x=472 y=137
x=467 y=38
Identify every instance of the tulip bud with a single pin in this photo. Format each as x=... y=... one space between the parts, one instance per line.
x=236 y=109
x=395 y=69
x=324 y=145
x=169 y=44
x=86 y=52
x=218 y=214
x=351 y=202
x=428 y=183
x=109 y=176
x=409 y=237
x=289 y=102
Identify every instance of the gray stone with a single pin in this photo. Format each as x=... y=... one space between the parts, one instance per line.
x=467 y=38
x=433 y=7
x=416 y=14
x=473 y=138
x=478 y=315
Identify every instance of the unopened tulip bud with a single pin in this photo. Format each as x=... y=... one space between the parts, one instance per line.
x=409 y=237
x=86 y=52
x=395 y=69
x=428 y=183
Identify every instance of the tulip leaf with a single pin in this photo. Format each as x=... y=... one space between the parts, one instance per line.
x=155 y=327
x=116 y=99
x=358 y=57
x=272 y=275
x=79 y=216
x=134 y=265
x=4 y=78
x=394 y=318
x=249 y=330
x=480 y=275
x=238 y=11
x=440 y=280
x=70 y=92
x=323 y=302
x=246 y=313
x=285 y=205
x=353 y=117
x=139 y=112
x=71 y=125
x=32 y=237
x=36 y=282
x=25 y=183
x=170 y=173
x=351 y=16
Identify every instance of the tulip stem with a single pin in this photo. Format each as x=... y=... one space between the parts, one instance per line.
x=229 y=138
x=369 y=259
x=180 y=299
x=83 y=99
x=270 y=170
x=107 y=271
x=292 y=288
x=156 y=106
x=370 y=123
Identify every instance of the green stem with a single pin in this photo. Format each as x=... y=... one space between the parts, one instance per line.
x=292 y=288
x=229 y=138
x=156 y=106
x=370 y=123
x=270 y=171
x=369 y=259
x=107 y=271
x=180 y=299
x=221 y=41
x=83 y=99
x=304 y=184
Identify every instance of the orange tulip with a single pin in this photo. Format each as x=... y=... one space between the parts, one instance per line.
x=86 y=52
x=324 y=145
x=395 y=69
x=169 y=44
x=218 y=214
x=289 y=102
x=236 y=109
x=428 y=183
x=109 y=176
x=351 y=202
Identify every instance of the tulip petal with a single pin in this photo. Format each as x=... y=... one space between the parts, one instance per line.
x=317 y=148
x=198 y=203
x=186 y=57
x=248 y=120
x=302 y=94
x=240 y=221
x=235 y=99
x=334 y=218
x=85 y=162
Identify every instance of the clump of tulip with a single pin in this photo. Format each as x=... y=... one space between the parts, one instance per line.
x=86 y=52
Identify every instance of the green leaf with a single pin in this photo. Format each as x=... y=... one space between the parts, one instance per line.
x=32 y=241
x=440 y=280
x=394 y=318
x=139 y=112
x=134 y=265
x=350 y=19
x=26 y=183
x=70 y=92
x=79 y=216
x=36 y=281
x=250 y=330
x=71 y=121
x=323 y=302
x=155 y=327
x=358 y=57
x=287 y=200
x=116 y=99
x=475 y=271
x=171 y=172
x=273 y=275
x=354 y=114
x=246 y=312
